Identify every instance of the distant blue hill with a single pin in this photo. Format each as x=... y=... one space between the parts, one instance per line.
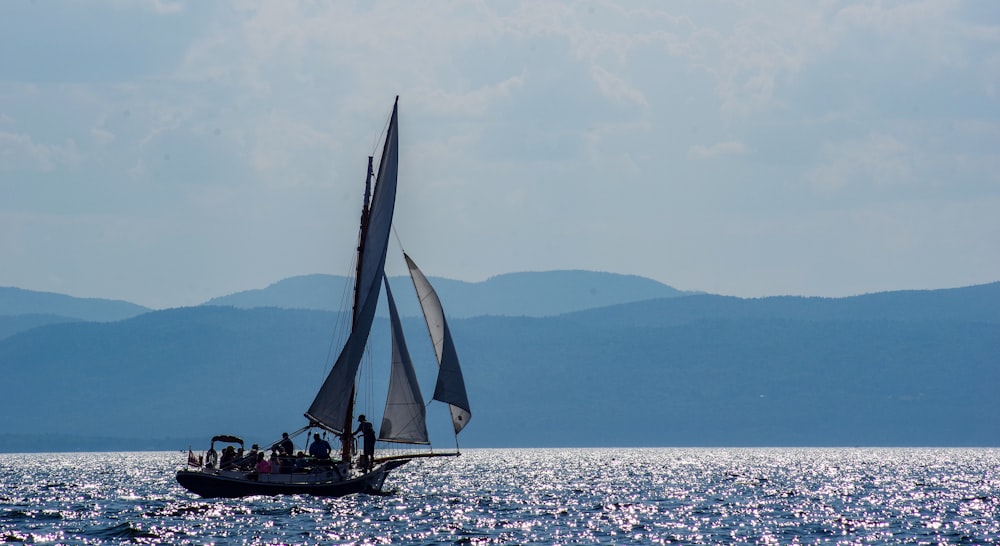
x=534 y=294
x=10 y=325
x=913 y=368
x=22 y=310
x=972 y=303
x=514 y=294
x=17 y=301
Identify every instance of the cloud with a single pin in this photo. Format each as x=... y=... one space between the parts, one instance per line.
x=279 y=145
x=20 y=151
x=160 y=7
x=899 y=18
x=101 y=136
x=877 y=160
x=476 y=102
x=731 y=147
x=617 y=89
x=165 y=6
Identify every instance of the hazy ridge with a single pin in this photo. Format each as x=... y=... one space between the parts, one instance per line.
x=515 y=294
x=894 y=368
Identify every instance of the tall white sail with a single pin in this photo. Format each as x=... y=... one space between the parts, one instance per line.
x=403 y=420
x=329 y=409
x=450 y=387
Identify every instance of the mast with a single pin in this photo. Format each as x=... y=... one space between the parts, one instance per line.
x=346 y=438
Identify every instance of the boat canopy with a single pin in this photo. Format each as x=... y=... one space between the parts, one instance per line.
x=228 y=439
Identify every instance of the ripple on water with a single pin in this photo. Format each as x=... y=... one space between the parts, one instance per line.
x=544 y=496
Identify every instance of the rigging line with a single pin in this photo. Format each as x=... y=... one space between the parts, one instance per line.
x=290 y=436
x=341 y=327
x=343 y=313
x=385 y=129
x=402 y=251
x=399 y=242
x=367 y=380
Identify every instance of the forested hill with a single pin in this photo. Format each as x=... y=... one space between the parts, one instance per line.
x=899 y=368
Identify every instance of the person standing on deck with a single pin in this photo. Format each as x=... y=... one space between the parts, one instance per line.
x=368 y=431
x=286 y=445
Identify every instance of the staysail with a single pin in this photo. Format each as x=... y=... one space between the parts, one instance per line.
x=450 y=387
x=404 y=418
x=329 y=409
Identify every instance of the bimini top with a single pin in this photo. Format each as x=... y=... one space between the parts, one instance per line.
x=228 y=438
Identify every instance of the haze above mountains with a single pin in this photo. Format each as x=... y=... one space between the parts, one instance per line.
x=567 y=358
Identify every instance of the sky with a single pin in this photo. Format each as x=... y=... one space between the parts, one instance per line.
x=166 y=152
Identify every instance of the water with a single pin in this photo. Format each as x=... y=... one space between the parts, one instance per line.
x=589 y=496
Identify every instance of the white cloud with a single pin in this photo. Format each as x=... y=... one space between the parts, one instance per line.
x=162 y=7
x=900 y=17
x=603 y=145
x=101 y=136
x=730 y=147
x=875 y=160
x=20 y=151
x=280 y=142
x=617 y=89
x=468 y=103
x=165 y=6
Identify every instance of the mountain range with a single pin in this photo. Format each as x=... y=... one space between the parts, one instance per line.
x=567 y=358
x=514 y=294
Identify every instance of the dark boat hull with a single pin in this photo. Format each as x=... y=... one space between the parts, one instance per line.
x=240 y=484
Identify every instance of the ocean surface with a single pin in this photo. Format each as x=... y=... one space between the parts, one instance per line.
x=526 y=496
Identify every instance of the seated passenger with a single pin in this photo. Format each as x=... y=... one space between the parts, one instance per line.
x=300 y=462
x=248 y=462
x=320 y=448
x=263 y=465
x=228 y=457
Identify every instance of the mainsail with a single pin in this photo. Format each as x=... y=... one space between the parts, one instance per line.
x=450 y=387
x=330 y=407
x=404 y=418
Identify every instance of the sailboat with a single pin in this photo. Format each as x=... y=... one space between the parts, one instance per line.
x=332 y=411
